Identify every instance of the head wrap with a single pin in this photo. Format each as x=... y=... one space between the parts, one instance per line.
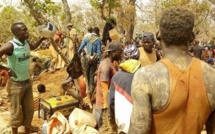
x=131 y=52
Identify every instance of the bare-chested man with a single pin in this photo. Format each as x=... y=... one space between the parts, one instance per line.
x=175 y=95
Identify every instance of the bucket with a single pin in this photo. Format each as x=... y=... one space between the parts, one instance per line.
x=82 y=85
x=79 y=117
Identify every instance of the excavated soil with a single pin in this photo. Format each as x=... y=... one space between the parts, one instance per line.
x=52 y=81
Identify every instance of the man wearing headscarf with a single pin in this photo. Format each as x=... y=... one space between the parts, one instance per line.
x=120 y=90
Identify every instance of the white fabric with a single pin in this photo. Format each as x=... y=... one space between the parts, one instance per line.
x=123 y=109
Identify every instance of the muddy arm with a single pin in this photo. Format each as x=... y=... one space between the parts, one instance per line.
x=141 y=112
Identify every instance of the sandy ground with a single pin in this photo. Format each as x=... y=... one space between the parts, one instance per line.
x=52 y=81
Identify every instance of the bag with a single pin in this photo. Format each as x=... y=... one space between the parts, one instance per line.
x=92 y=59
x=82 y=85
x=74 y=69
x=58 y=124
x=114 y=35
x=79 y=117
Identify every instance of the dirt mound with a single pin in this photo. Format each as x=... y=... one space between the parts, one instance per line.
x=52 y=81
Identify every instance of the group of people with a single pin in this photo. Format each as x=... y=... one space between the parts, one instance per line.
x=140 y=90
x=203 y=51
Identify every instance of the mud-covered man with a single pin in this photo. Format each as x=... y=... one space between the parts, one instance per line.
x=19 y=86
x=175 y=95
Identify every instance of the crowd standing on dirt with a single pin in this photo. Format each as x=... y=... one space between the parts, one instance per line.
x=155 y=83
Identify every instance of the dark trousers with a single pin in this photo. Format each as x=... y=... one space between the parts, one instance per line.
x=89 y=71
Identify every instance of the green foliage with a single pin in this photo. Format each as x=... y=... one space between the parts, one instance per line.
x=96 y=3
x=105 y=6
x=8 y=16
x=47 y=7
x=200 y=8
x=111 y=20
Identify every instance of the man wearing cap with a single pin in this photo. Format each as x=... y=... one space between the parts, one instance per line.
x=147 y=53
x=120 y=89
x=105 y=72
x=175 y=95
x=72 y=41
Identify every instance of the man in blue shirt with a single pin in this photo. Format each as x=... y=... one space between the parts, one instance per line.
x=90 y=58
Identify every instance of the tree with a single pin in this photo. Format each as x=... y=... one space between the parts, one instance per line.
x=124 y=11
x=49 y=8
x=152 y=11
x=7 y=15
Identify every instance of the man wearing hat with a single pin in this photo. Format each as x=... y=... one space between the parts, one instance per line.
x=147 y=53
x=72 y=41
x=106 y=70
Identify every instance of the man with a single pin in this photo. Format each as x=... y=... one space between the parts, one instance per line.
x=72 y=41
x=56 y=60
x=19 y=85
x=89 y=32
x=147 y=53
x=175 y=95
x=105 y=72
x=90 y=59
x=197 y=49
x=109 y=25
x=120 y=90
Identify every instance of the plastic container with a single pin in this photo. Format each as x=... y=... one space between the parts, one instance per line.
x=48 y=30
x=79 y=117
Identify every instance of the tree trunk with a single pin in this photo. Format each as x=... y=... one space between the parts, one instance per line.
x=41 y=20
x=67 y=11
x=131 y=26
x=37 y=16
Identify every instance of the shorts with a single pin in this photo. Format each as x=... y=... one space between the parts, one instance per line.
x=21 y=103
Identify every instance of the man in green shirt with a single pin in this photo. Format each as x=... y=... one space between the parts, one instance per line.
x=19 y=86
